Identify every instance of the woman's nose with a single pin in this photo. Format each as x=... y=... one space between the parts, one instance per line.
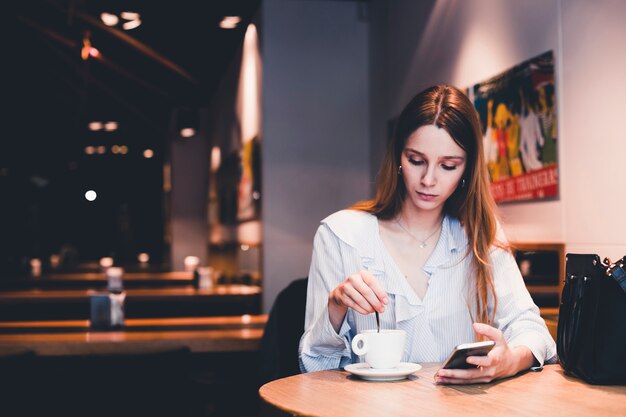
x=429 y=179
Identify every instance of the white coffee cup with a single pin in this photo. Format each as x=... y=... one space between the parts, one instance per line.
x=382 y=350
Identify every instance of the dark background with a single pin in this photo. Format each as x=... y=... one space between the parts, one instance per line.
x=144 y=79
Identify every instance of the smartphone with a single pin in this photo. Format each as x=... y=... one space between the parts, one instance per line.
x=457 y=359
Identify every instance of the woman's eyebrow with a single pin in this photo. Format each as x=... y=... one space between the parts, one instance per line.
x=458 y=157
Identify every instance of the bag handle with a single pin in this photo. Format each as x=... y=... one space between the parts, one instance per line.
x=617 y=272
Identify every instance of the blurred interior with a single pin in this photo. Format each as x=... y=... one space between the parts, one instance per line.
x=165 y=137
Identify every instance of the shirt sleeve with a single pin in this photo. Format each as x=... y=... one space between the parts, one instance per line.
x=320 y=346
x=517 y=316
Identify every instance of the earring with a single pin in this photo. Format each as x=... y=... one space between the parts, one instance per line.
x=463 y=183
x=399 y=169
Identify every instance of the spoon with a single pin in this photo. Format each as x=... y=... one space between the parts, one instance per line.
x=377 y=321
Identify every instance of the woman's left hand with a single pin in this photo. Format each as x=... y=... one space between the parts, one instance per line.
x=501 y=362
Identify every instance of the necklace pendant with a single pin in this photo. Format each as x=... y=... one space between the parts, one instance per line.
x=423 y=245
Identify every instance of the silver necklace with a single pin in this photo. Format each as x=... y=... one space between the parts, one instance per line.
x=423 y=243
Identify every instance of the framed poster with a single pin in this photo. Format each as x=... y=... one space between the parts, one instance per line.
x=517 y=111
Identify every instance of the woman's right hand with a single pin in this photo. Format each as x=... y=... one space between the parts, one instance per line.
x=361 y=292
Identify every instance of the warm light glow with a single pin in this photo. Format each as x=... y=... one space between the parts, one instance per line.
x=245 y=247
x=90 y=150
x=84 y=52
x=115 y=149
x=230 y=22
x=187 y=132
x=93 y=52
x=101 y=149
x=106 y=262
x=91 y=195
x=167 y=177
x=143 y=257
x=35 y=267
x=110 y=126
x=191 y=262
x=129 y=15
x=109 y=19
x=132 y=24
x=123 y=149
x=249 y=101
x=248 y=107
x=148 y=153
x=55 y=260
x=95 y=126
x=246 y=318
x=216 y=158
x=256 y=195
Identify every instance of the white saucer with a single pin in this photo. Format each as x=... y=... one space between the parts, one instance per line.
x=363 y=370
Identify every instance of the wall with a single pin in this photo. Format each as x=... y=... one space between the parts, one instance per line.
x=464 y=42
x=593 y=103
x=189 y=179
x=315 y=153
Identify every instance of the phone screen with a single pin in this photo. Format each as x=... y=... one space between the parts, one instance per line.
x=457 y=359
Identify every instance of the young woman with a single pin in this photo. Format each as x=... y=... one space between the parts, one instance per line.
x=427 y=254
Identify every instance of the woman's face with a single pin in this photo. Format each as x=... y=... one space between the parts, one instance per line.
x=432 y=166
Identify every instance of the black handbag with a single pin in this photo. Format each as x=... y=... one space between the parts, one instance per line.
x=591 y=333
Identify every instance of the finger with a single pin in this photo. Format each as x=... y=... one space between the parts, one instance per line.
x=490 y=332
x=358 y=302
x=375 y=286
x=484 y=361
x=465 y=374
x=362 y=283
x=341 y=298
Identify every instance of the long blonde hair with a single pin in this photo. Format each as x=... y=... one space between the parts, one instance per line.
x=447 y=108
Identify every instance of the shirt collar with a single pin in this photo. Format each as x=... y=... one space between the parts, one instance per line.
x=451 y=240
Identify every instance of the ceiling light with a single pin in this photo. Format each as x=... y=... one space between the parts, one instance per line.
x=109 y=19
x=91 y=195
x=148 y=153
x=129 y=15
x=132 y=19
x=93 y=52
x=95 y=126
x=110 y=126
x=230 y=22
x=85 y=50
x=187 y=132
x=132 y=24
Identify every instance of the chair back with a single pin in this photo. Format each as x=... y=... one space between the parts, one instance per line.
x=283 y=330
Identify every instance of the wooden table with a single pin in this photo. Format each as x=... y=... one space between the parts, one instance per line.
x=337 y=393
x=154 y=367
x=74 y=337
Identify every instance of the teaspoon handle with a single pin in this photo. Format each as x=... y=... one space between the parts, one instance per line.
x=377 y=321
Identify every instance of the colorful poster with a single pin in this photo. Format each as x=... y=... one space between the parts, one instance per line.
x=518 y=119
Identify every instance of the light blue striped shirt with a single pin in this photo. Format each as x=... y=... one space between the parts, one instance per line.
x=349 y=241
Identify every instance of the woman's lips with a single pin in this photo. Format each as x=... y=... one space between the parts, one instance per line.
x=426 y=197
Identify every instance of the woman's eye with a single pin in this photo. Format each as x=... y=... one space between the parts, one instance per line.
x=449 y=167
x=416 y=161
